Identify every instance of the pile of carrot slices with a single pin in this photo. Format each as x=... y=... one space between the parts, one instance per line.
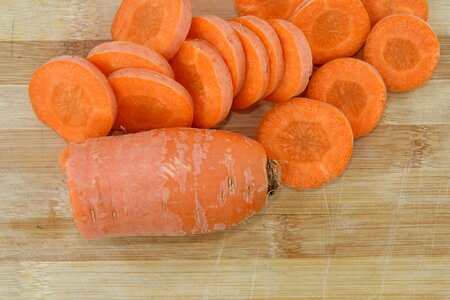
x=168 y=69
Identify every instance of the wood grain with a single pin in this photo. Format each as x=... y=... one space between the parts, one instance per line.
x=380 y=231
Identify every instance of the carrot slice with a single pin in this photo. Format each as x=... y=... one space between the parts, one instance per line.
x=257 y=61
x=333 y=28
x=379 y=9
x=200 y=68
x=297 y=61
x=177 y=181
x=311 y=140
x=267 y=9
x=356 y=88
x=73 y=97
x=405 y=50
x=113 y=56
x=160 y=25
x=148 y=100
x=273 y=46
x=219 y=33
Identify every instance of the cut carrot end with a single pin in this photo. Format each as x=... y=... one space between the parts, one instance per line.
x=379 y=9
x=267 y=9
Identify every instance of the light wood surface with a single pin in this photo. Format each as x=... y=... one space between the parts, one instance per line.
x=381 y=231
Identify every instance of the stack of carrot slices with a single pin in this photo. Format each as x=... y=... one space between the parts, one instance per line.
x=165 y=68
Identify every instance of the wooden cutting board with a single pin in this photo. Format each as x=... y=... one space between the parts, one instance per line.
x=381 y=231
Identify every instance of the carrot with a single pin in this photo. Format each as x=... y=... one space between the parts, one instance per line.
x=160 y=25
x=273 y=46
x=379 y=9
x=311 y=140
x=267 y=9
x=257 y=61
x=167 y=182
x=405 y=50
x=219 y=33
x=333 y=28
x=199 y=67
x=297 y=61
x=113 y=56
x=73 y=97
x=356 y=88
x=148 y=100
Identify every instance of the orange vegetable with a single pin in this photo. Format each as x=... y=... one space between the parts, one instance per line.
x=267 y=9
x=405 y=50
x=311 y=140
x=148 y=100
x=334 y=29
x=379 y=9
x=160 y=25
x=200 y=68
x=356 y=88
x=297 y=61
x=113 y=56
x=219 y=33
x=167 y=182
x=73 y=97
x=273 y=46
x=257 y=60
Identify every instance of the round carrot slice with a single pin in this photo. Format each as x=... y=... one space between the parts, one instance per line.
x=311 y=140
x=73 y=97
x=297 y=61
x=405 y=50
x=113 y=56
x=257 y=60
x=333 y=28
x=219 y=33
x=273 y=46
x=356 y=88
x=160 y=25
x=147 y=100
x=200 y=68
x=379 y=9
x=267 y=9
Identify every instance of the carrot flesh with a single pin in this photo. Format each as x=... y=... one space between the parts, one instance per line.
x=334 y=29
x=200 y=68
x=405 y=50
x=219 y=33
x=165 y=182
x=356 y=88
x=297 y=60
x=272 y=44
x=257 y=61
x=73 y=97
x=113 y=56
x=148 y=100
x=160 y=25
x=311 y=140
x=379 y=9
x=267 y=9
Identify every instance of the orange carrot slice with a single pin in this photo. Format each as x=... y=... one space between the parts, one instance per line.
x=112 y=56
x=257 y=60
x=267 y=9
x=219 y=33
x=273 y=46
x=297 y=61
x=200 y=68
x=379 y=9
x=311 y=140
x=160 y=25
x=73 y=97
x=171 y=182
x=148 y=100
x=405 y=50
x=333 y=28
x=356 y=88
